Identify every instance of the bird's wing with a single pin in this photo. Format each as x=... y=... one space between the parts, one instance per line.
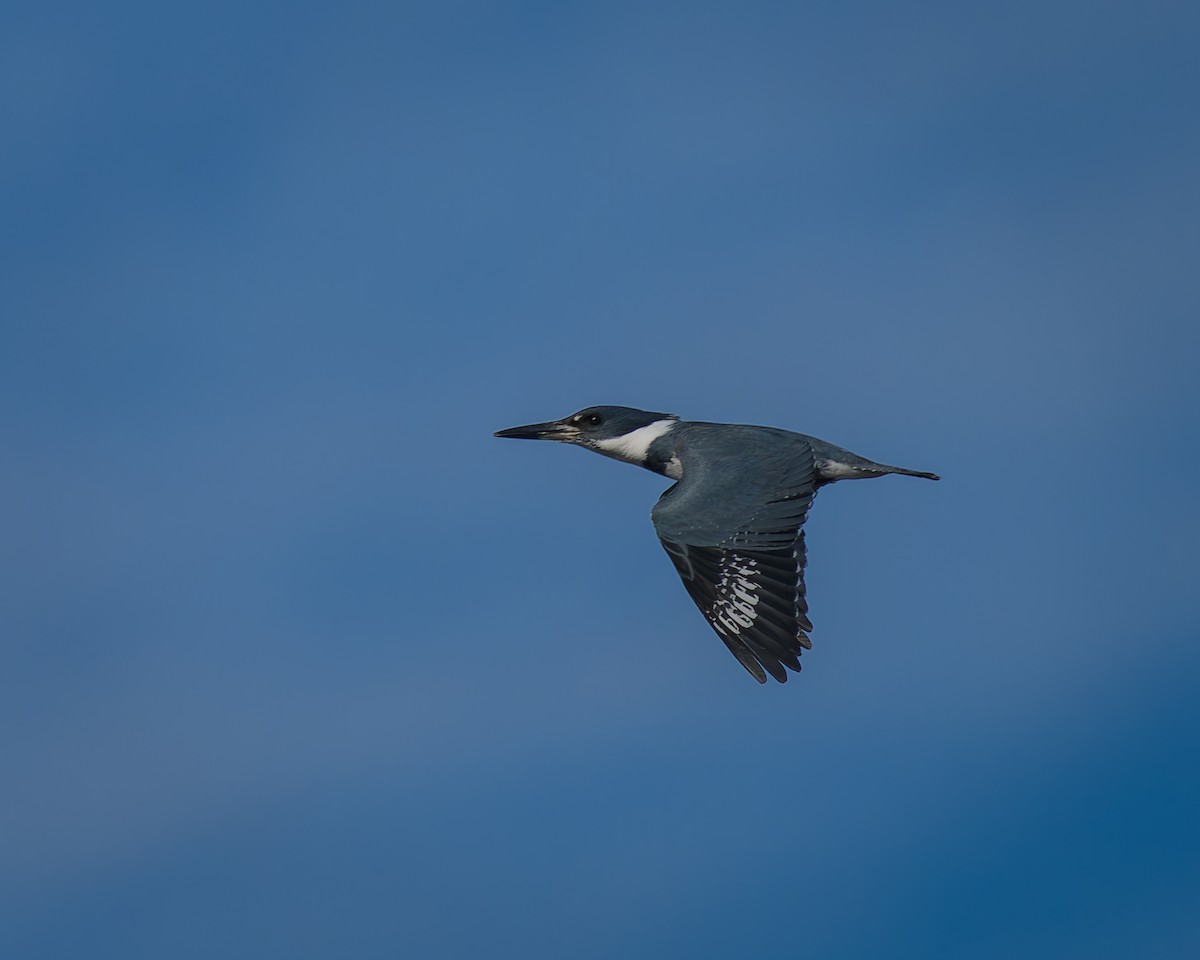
x=734 y=536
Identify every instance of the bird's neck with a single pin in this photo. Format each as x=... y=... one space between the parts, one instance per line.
x=644 y=446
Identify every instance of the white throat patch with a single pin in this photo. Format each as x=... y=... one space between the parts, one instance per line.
x=635 y=446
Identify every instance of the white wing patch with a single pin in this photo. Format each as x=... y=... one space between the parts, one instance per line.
x=737 y=595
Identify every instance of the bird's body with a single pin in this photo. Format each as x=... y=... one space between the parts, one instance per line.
x=732 y=522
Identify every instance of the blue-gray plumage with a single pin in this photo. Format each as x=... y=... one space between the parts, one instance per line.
x=732 y=522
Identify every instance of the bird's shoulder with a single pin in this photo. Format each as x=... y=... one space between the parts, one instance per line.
x=730 y=473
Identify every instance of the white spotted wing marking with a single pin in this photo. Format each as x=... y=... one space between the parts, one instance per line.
x=737 y=595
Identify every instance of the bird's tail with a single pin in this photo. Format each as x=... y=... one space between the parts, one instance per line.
x=834 y=463
x=911 y=473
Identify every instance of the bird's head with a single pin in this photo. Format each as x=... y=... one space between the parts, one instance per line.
x=621 y=432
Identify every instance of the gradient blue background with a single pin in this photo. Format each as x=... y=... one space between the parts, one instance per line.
x=298 y=661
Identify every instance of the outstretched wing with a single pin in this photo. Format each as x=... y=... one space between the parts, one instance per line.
x=733 y=533
x=754 y=600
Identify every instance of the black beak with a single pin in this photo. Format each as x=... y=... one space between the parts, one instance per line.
x=554 y=430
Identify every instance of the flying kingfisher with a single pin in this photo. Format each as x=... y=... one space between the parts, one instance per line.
x=731 y=522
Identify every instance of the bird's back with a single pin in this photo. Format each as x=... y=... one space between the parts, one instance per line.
x=832 y=462
x=728 y=473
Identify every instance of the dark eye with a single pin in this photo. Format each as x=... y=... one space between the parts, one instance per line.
x=594 y=419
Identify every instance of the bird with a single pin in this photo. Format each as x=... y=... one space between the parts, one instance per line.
x=732 y=523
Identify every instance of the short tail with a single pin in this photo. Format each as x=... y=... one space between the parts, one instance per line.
x=914 y=473
x=843 y=465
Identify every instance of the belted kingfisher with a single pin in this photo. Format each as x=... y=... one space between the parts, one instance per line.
x=731 y=522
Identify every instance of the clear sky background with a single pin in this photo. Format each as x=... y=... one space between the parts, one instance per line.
x=298 y=661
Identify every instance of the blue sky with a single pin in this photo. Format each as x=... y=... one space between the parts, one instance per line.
x=299 y=661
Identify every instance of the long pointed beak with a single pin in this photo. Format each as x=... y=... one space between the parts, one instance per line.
x=554 y=430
